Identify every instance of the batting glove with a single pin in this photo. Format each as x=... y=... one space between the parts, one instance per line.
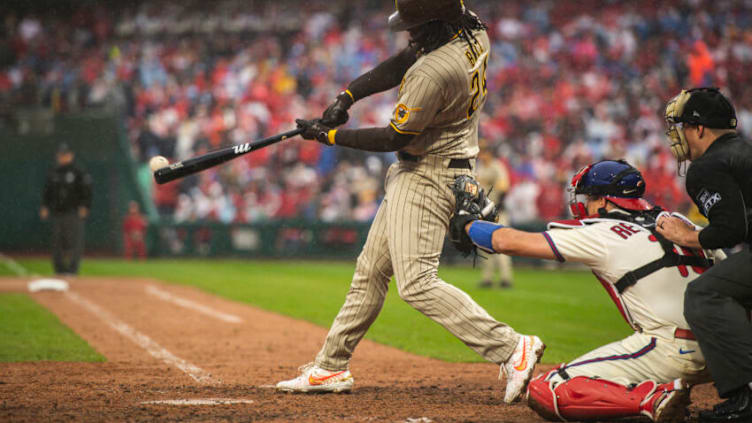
x=315 y=130
x=336 y=114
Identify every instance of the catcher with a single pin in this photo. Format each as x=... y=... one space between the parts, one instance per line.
x=648 y=373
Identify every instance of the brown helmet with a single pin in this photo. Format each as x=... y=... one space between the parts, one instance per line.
x=411 y=13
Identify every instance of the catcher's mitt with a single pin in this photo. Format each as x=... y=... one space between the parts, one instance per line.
x=471 y=203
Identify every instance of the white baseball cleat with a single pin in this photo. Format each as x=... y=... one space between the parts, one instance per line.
x=315 y=379
x=520 y=366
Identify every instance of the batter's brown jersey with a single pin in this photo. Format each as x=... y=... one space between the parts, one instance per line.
x=441 y=96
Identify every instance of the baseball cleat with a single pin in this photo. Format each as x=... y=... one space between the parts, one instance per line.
x=314 y=379
x=668 y=403
x=520 y=366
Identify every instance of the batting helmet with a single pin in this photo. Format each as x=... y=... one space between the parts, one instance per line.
x=615 y=180
x=411 y=13
x=698 y=106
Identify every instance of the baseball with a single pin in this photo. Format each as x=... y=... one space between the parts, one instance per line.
x=158 y=162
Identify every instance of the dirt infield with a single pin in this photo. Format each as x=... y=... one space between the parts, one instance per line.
x=175 y=353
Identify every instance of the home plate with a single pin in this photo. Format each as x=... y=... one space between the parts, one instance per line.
x=201 y=401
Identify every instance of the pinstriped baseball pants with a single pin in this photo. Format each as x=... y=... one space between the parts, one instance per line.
x=405 y=240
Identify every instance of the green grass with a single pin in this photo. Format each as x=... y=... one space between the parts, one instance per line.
x=31 y=333
x=569 y=310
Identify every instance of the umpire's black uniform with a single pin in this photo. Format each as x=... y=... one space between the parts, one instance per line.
x=717 y=303
x=66 y=192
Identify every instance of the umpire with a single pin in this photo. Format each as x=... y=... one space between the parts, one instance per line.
x=66 y=200
x=702 y=129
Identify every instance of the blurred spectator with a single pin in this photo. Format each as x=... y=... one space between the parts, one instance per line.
x=134 y=233
x=569 y=82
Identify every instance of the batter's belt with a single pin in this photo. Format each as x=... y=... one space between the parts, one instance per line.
x=437 y=161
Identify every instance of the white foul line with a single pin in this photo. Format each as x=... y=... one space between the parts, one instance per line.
x=207 y=401
x=145 y=342
x=182 y=302
x=13 y=265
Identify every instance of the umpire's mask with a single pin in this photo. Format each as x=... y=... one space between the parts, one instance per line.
x=704 y=106
x=677 y=140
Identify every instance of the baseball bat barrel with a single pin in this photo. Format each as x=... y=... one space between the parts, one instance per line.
x=197 y=164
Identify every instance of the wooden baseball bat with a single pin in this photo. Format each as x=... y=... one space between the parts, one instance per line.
x=217 y=157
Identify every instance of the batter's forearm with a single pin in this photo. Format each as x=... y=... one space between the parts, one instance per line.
x=387 y=75
x=372 y=139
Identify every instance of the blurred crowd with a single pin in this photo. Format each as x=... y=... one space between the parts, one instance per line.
x=569 y=83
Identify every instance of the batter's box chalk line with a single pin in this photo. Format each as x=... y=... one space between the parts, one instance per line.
x=200 y=401
x=191 y=305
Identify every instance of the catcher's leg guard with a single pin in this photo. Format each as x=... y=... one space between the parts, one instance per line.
x=668 y=403
x=584 y=398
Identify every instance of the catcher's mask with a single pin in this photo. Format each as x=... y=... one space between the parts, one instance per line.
x=615 y=180
x=412 y=13
x=704 y=106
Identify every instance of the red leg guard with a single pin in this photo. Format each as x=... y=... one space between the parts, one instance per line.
x=584 y=398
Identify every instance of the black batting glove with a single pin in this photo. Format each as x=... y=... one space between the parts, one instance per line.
x=336 y=114
x=315 y=130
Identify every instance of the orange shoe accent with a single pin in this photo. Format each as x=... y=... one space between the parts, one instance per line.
x=523 y=363
x=320 y=380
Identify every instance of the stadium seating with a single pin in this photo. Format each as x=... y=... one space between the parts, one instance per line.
x=569 y=83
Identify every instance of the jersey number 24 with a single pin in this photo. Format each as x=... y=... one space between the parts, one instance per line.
x=478 y=88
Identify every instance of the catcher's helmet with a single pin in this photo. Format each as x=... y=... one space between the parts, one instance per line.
x=698 y=106
x=615 y=180
x=411 y=13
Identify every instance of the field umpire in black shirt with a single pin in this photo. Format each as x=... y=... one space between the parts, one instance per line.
x=67 y=200
x=702 y=129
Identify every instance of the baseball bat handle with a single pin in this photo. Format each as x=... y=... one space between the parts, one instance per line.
x=197 y=164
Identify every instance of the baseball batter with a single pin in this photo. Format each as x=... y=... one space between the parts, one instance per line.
x=648 y=372
x=434 y=129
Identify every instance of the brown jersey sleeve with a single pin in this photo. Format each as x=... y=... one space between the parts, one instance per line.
x=420 y=98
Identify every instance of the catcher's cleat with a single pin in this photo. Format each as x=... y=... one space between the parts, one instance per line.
x=520 y=366
x=314 y=379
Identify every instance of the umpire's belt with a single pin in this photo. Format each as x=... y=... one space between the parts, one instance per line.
x=453 y=163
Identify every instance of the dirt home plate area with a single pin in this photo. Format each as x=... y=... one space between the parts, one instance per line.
x=175 y=353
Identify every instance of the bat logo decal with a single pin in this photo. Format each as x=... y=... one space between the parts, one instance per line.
x=242 y=148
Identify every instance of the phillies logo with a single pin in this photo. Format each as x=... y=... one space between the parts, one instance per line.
x=242 y=148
